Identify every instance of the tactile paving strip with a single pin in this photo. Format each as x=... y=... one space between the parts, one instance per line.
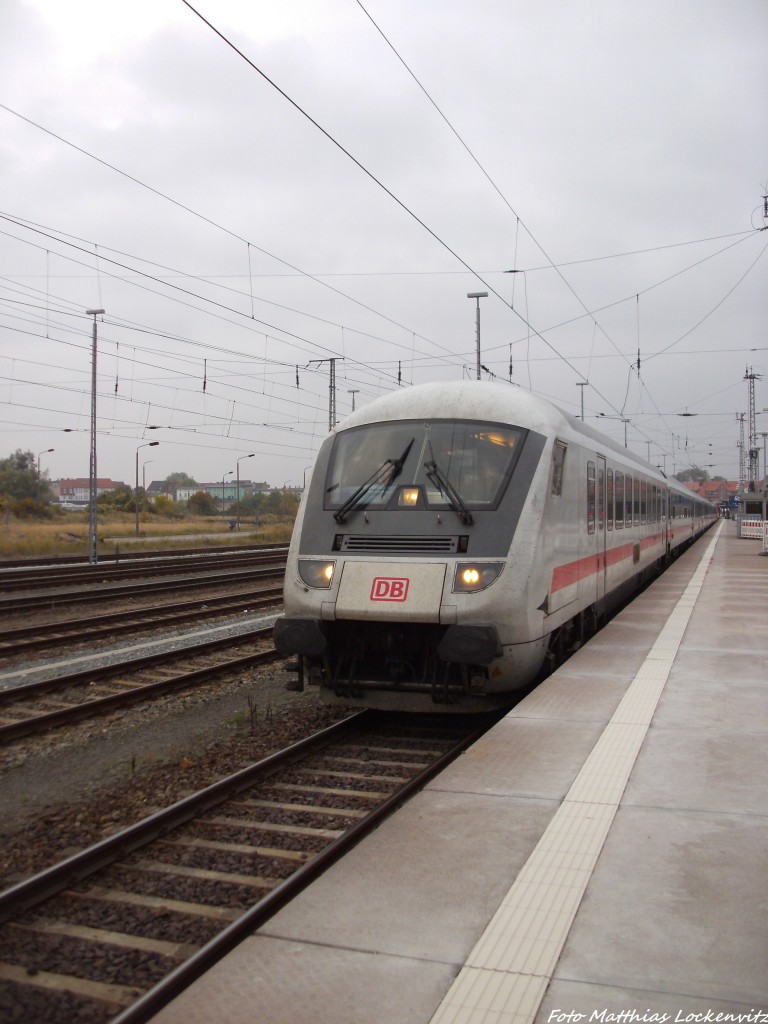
x=507 y=973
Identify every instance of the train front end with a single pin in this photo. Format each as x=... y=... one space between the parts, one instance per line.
x=399 y=590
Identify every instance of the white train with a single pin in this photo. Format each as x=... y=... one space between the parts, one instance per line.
x=457 y=540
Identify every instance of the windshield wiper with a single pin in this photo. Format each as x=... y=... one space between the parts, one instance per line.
x=444 y=485
x=388 y=471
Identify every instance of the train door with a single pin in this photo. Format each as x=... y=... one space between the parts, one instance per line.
x=666 y=526
x=602 y=532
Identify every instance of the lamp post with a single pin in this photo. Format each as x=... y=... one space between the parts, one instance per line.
x=43 y=452
x=149 y=444
x=144 y=465
x=93 y=485
x=477 y=296
x=237 y=466
x=622 y=419
x=228 y=473
x=582 y=384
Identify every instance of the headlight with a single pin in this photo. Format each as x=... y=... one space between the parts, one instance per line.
x=473 y=576
x=409 y=497
x=316 y=573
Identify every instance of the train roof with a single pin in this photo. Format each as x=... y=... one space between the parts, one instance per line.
x=493 y=402
x=482 y=400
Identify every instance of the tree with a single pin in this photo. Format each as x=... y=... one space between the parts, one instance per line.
x=174 y=480
x=202 y=504
x=28 y=508
x=18 y=478
x=281 y=502
x=162 y=505
x=121 y=499
x=700 y=476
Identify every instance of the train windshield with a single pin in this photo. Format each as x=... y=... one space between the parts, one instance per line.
x=445 y=463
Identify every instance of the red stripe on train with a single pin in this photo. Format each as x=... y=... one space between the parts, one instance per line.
x=572 y=572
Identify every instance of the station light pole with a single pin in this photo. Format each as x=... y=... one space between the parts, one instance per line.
x=477 y=296
x=43 y=452
x=622 y=419
x=582 y=384
x=149 y=444
x=93 y=485
x=228 y=473
x=237 y=465
x=144 y=502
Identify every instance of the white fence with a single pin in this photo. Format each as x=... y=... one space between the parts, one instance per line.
x=754 y=529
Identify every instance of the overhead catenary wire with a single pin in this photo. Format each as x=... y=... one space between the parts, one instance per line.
x=221 y=307
x=208 y=220
x=377 y=181
x=549 y=344
x=486 y=175
x=637 y=366
x=273 y=348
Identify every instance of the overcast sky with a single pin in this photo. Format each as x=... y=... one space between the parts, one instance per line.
x=613 y=151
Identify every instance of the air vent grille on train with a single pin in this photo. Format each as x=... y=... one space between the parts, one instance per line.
x=399 y=545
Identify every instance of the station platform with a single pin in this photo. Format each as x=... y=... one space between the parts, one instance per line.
x=600 y=855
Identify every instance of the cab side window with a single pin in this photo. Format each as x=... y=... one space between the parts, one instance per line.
x=558 y=467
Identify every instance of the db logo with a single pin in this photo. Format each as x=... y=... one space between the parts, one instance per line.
x=389 y=588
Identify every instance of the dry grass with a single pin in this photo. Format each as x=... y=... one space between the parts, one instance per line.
x=68 y=534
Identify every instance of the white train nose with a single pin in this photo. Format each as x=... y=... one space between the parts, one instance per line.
x=391 y=590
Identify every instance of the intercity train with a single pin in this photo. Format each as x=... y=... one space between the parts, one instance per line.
x=458 y=540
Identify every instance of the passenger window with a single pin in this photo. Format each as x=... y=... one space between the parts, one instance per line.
x=609 y=499
x=590 y=497
x=628 y=489
x=619 y=492
x=558 y=467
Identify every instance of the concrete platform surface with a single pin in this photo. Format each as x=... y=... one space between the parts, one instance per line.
x=602 y=853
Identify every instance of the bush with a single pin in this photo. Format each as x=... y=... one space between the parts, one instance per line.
x=28 y=508
x=202 y=504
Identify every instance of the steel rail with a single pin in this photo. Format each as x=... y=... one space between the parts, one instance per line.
x=27 y=894
x=99 y=705
x=72 y=871
x=128 y=556
x=116 y=591
x=182 y=976
x=66 y=631
x=81 y=576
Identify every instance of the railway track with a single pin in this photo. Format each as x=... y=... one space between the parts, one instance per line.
x=36 y=707
x=49 y=561
x=101 y=592
x=118 y=930
x=35 y=638
x=42 y=576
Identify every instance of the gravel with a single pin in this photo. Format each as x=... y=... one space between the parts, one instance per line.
x=63 y=791
x=95 y=656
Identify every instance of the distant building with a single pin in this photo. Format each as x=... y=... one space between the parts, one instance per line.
x=716 y=491
x=225 y=491
x=78 y=490
x=158 y=489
